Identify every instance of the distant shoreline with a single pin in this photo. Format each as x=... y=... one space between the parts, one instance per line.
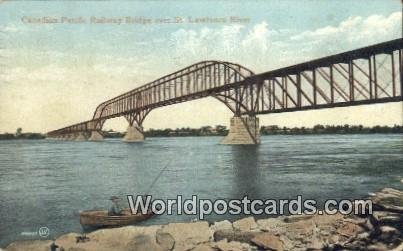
x=223 y=131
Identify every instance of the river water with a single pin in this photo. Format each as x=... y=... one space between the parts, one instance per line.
x=47 y=182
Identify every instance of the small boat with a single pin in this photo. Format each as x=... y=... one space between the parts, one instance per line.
x=100 y=218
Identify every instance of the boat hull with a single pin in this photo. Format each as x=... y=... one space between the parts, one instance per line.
x=101 y=219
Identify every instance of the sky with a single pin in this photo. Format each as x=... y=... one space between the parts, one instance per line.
x=55 y=74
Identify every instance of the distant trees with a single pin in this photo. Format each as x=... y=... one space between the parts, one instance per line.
x=221 y=130
x=218 y=130
x=18 y=132
x=19 y=135
x=331 y=129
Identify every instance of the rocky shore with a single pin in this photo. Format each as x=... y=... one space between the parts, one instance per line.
x=382 y=230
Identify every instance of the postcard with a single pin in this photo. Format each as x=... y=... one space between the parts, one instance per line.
x=201 y=125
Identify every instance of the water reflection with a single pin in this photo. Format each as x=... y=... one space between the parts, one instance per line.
x=247 y=174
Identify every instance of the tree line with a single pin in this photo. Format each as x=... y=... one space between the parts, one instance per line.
x=221 y=130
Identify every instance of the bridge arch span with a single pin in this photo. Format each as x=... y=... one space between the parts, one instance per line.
x=192 y=82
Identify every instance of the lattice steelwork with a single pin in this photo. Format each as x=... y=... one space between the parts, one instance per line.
x=364 y=76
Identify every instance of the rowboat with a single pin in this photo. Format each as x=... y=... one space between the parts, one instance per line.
x=100 y=218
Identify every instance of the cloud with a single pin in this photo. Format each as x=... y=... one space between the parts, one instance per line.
x=262 y=48
x=258 y=38
x=63 y=87
x=353 y=32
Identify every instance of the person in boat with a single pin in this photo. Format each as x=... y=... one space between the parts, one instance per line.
x=115 y=209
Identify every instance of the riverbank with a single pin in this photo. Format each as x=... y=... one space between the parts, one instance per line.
x=380 y=231
x=31 y=136
x=223 y=131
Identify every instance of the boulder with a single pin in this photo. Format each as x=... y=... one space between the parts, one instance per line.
x=388 y=199
x=377 y=247
x=245 y=224
x=77 y=249
x=32 y=245
x=120 y=237
x=349 y=229
x=221 y=225
x=224 y=245
x=326 y=220
x=143 y=243
x=165 y=240
x=295 y=218
x=188 y=235
x=268 y=241
x=300 y=229
x=203 y=247
x=387 y=218
x=235 y=235
x=276 y=225
x=388 y=234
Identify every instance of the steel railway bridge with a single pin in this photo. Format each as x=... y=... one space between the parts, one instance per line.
x=367 y=75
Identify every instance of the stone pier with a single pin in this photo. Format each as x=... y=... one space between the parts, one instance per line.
x=80 y=136
x=243 y=131
x=70 y=137
x=133 y=134
x=96 y=136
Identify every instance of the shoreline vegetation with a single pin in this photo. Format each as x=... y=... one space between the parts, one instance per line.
x=221 y=130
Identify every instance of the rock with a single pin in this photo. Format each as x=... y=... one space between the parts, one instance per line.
x=245 y=224
x=398 y=248
x=143 y=243
x=368 y=225
x=31 y=245
x=300 y=229
x=349 y=229
x=165 y=240
x=333 y=239
x=388 y=218
x=76 y=249
x=120 y=237
x=363 y=236
x=268 y=241
x=235 y=235
x=377 y=247
x=221 y=225
x=388 y=199
x=202 y=247
x=321 y=220
x=287 y=243
x=295 y=218
x=276 y=225
x=388 y=234
x=223 y=245
x=188 y=235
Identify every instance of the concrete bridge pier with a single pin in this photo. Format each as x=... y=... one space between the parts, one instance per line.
x=133 y=134
x=243 y=131
x=96 y=136
x=71 y=137
x=80 y=136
